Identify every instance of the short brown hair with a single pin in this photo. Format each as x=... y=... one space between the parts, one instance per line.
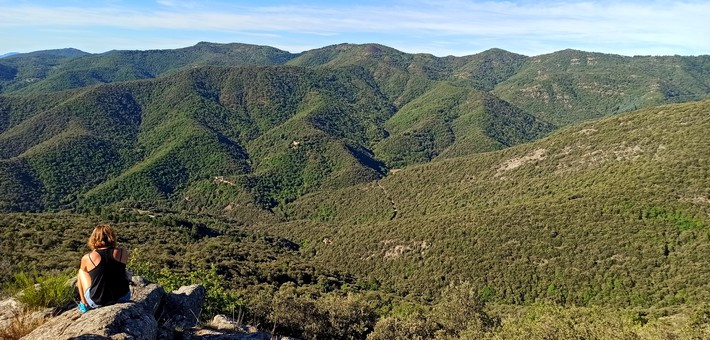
x=102 y=236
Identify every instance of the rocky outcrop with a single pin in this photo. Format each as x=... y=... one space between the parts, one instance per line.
x=131 y=320
x=8 y=309
x=223 y=323
x=181 y=311
x=151 y=314
x=224 y=328
x=13 y=311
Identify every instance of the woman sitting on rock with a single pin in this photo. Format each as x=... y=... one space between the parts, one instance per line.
x=102 y=277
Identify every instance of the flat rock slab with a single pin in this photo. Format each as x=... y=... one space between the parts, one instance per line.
x=131 y=320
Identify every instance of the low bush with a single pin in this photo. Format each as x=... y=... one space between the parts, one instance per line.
x=218 y=299
x=458 y=313
x=42 y=291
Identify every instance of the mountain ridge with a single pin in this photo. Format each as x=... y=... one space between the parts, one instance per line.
x=582 y=87
x=379 y=107
x=8 y=54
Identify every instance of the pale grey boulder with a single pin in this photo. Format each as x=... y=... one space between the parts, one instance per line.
x=11 y=309
x=8 y=309
x=151 y=314
x=131 y=320
x=225 y=328
x=181 y=310
x=224 y=323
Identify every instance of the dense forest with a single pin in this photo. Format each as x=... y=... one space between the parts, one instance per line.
x=366 y=192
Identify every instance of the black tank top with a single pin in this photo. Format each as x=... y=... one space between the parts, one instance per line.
x=108 y=279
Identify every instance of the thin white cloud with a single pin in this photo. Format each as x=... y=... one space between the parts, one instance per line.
x=634 y=26
x=168 y=3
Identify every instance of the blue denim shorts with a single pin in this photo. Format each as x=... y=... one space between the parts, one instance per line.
x=92 y=304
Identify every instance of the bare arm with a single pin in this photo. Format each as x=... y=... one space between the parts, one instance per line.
x=125 y=255
x=84 y=264
x=121 y=255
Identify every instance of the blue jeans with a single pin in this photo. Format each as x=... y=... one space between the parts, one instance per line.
x=92 y=304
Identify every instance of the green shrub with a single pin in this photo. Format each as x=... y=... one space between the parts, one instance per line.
x=459 y=309
x=409 y=327
x=458 y=313
x=554 y=322
x=309 y=313
x=37 y=291
x=218 y=299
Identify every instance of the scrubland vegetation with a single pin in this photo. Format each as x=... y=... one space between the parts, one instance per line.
x=358 y=191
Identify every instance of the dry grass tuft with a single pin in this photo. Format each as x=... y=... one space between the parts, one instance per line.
x=22 y=323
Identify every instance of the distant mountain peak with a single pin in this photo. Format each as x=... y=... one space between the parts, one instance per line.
x=60 y=52
x=8 y=54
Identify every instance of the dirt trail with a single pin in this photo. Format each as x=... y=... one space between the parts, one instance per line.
x=387 y=196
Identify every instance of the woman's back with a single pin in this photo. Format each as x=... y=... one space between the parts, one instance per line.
x=101 y=278
x=108 y=277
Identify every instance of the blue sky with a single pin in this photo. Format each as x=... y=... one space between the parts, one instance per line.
x=445 y=27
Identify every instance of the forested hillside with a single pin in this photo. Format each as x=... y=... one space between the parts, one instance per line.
x=149 y=141
x=260 y=136
x=561 y=88
x=608 y=216
x=56 y=70
x=201 y=137
x=612 y=212
x=571 y=86
x=364 y=191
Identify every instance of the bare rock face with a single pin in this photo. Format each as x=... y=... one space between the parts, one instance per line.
x=8 y=309
x=181 y=310
x=120 y=321
x=131 y=320
x=224 y=323
x=225 y=328
x=206 y=334
x=12 y=310
x=151 y=314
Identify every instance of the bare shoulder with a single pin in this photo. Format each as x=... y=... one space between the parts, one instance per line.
x=87 y=256
x=86 y=261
